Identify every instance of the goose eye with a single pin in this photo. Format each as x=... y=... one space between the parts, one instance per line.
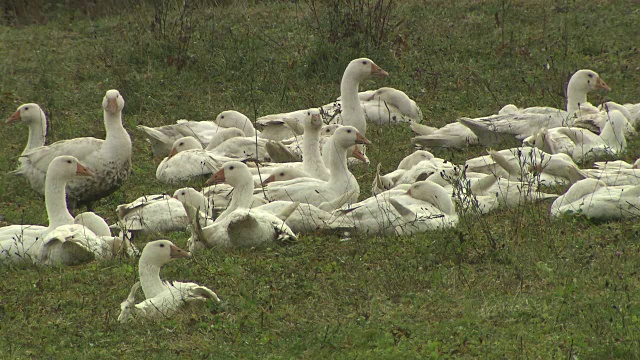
x=161 y=245
x=26 y=108
x=590 y=75
x=281 y=174
x=364 y=62
x=182 y=193
x=222 y=117
x=181 y=144
x=349 y=131
x=230 y=167
x=68 y=161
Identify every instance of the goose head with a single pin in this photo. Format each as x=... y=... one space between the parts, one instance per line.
x=347 y=136
x=312 y=121
x=414 y=158
x=363 y=68
x=587 y=80
x=328 y=130
x=284 y=173
x=66 y=168
x=113 y=102
x=232 y=118
x=233 y=173
x=160 y=252
x=188 y=195
x=29 y=114
x=183 y=144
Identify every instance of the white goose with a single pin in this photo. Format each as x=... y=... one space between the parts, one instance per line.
x=31 y=115
x=581 y=144
x=520 y=123
x=341 y=181
x=187 y=159
x=109 y=159
x=428 y=207
x=240 y=225
x=351 y=112
x=594 y=199
x=162 y=298
x=388 y=106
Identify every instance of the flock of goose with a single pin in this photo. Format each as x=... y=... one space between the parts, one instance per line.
x=293 y=177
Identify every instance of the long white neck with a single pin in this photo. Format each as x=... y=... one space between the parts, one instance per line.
x=117 y=140
x=56 y=202
x=241 y=197
x=352 y=113
x=150 y=280
x=341 y=178
x=312 y=162
x=37 y=133
x=613 y=131
x=576 y=97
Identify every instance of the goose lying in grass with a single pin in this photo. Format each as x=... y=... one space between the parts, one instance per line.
x=389 y=180
x=594 y=199
x=613 y=176
x=163 y=137
x=582 y=144
x=428 y=207
x=341 y=181
x=187 y=160
x=528 y=164
x=63 y=242
x=162 y=213
x=520 y=123
x=385 y=105
x=31 y=115
x=162 y=298
x=239 y=225
x=454 y=135
x=109 y=159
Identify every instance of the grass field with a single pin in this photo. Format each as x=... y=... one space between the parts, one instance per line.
x=513 y=284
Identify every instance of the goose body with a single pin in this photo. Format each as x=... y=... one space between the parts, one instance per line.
x=109 y=159
x=187 y=160
x=594 y=199
x=239 y=225
x=162 y=298
x=454 y=135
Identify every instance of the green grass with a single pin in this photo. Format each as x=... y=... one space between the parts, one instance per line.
x=547 y=289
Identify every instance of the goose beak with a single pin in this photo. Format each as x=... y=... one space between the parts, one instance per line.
x=377 y=71
x=600 y=84
x=217 y=178
x=176 y=253
x=409 y=192
x=112 y=105
x=14 y=117
x=360 y=139
x=315 y=117
x=359 y=155
x=83 y=171
x=172 y=153
x=268 y=180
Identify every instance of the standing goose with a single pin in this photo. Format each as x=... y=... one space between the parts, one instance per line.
x=109 y=159
x=162 y=298
x=31 y=115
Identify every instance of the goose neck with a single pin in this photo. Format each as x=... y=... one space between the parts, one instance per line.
x=37 y=133
x=311 y=158
x=56 y=202
x=352 y=113
x=576 y=97
x=117 y=136
x=150 y=280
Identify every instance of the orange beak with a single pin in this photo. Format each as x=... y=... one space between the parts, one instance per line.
x=358 y=154
x=112 y=105
x=271 y=178
x=409 y=192
x=217 y=178
x=315 y=117
x=14 y=117
x=377 y=71
x=83 y=171
x=600 y=84
x=361 y=139
x=176 y=253
x=172 y=153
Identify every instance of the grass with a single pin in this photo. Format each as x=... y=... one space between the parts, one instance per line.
x=513 y=284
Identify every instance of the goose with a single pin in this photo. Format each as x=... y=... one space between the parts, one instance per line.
x=594 y=199
x=109 y=159
x=582 y=144
x=615 y=176
x=351 y=112
x=20 y=243
x=341 y=181
x=388 y=180
x=232 y=118
x=221 y=135
x=428 y=207
x=162 y=213
x=93 y=222
x=616 y=164
x=187 y=159
x=280 y=127
x=528 y=164
x=453 y=135
x=242 y=147
x=388 y=105
x=162 y=298
x=239 y=225
x=521 y=123
x=31 y=115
